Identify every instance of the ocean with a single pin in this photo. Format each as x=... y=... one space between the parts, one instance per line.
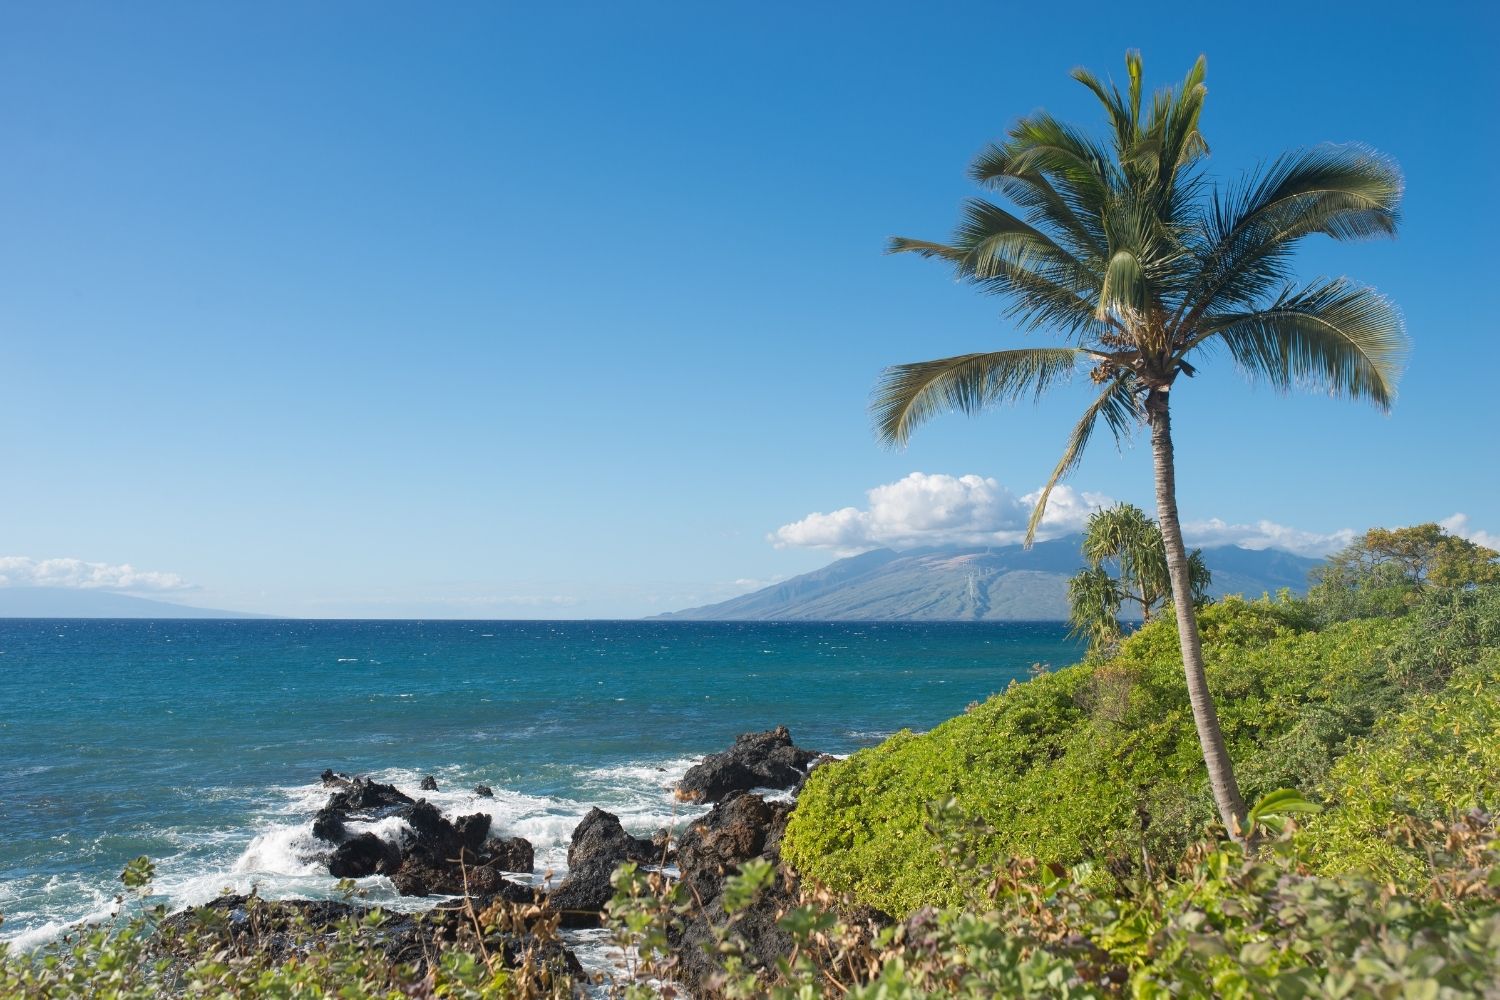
x=199 y=743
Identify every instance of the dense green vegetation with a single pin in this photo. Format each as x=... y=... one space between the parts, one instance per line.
x=1222 y=923
x=1098 y=762
x=1439 y=758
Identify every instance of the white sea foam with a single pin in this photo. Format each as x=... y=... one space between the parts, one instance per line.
x=40 y=935
x=278 y=856
x=281 y=850
x=863 y=735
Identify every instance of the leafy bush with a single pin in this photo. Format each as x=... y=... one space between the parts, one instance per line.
x=1100 y=761
x=1438 y=758
x=1224 y=925
x=1447 y=630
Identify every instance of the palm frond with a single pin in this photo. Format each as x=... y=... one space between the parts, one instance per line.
x=1044 y=284
x=1094 y=607
x=1123 y=534
x=1125 y=287
x=1119 y=405
x=1200 y=577
x=1123 y=118
x=1032 y=300
x=1248 y=233
x=1082 y=170
x=1181 y=141
x=1044 y=206
x=1083 y=236
x=1335 y=335
x=996 y=240
x=907 y=395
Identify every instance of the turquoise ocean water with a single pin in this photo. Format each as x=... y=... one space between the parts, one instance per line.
x=199 y=743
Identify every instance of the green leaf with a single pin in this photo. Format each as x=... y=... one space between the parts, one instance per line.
x=1274 y=808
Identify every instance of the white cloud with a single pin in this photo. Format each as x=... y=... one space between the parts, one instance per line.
x=1265 y=535
x=23 y=571
x=924 y=509
x=938 y=509
x=1458 y=525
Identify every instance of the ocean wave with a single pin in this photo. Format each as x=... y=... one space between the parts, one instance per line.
x=869 y=735
x=273 y=851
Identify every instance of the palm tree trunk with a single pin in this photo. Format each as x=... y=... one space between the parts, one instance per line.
x=1215 y=755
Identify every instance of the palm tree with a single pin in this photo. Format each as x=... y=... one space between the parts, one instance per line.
x=1125 y=251
x=1125 y=537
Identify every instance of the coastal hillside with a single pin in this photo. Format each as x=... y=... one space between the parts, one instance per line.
x=997 y=583
x=1381 y=719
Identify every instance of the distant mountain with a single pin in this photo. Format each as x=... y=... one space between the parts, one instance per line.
x=66 y=602
x=1000 y=583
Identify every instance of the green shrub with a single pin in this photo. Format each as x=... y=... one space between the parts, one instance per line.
x=1445 y=631
x=1223 y=925
x=1100 y=761
x=1437 y=759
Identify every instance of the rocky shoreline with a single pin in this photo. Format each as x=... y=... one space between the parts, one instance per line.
x=750 y=786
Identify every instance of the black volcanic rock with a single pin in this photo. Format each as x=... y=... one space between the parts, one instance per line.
x=445 y=856
x=741 y=827
x=661 y=846
x=361 y=795
x=418 y=877
x=428 y=784
x=354 y=798
x=439 y=840
x=284 y=928
x=511 y=854
x=599 y=846
x=738 y=829
x=435 y=856
x=329 y=825
x=364 y=855
x=757 y=760
x=599 y=835
x=581 y=897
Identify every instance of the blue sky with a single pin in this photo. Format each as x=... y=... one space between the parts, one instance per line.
x=553 y=311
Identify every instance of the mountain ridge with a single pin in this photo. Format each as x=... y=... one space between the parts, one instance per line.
x=69 y=602
x=971 y=583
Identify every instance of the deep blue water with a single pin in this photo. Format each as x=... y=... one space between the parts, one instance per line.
x=199 y=743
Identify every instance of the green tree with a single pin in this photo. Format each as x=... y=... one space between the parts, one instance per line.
x=1142 y=267
x=1386 y=570
x=1123 y=539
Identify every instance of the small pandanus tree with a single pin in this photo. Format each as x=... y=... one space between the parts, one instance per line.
x=1124 y=250
x=1124 y=539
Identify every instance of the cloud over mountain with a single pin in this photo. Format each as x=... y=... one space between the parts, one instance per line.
x=938 y=509
x=24 y=571
x=925 y=509
x=1265 y=534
